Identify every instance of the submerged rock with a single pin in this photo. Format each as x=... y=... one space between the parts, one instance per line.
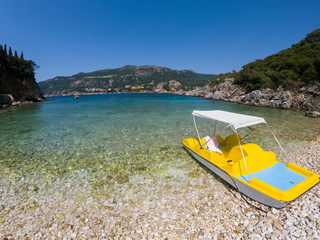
x=100 y=195
x=194 y=174
x=121 y=179
x=141 y=168
x=314 y=114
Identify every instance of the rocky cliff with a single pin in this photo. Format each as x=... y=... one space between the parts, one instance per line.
x=17 y=81
x=16 y=91
x=306 y=98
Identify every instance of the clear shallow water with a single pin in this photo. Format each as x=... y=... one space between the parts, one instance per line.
x=101 y=140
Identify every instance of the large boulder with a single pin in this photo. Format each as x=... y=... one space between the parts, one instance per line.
x=6 y=100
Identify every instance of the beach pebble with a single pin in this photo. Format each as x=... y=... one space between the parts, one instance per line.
x=277 y=224
x=246 y=223
x=295 y=234
x=274 y=211
x=290 y=219
x=249 y=229
x=60 y=216
x=312 y=218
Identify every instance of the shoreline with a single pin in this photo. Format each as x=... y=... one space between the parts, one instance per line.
x=19 y=103
x=203 y=92
x=107 y=93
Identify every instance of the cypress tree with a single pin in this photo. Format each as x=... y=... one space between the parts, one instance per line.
x=16 y=54
x=2 y=57
x=5 y=49
x=21 y=56
x=10 y=51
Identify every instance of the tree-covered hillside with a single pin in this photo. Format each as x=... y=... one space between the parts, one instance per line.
x=127 y=78
x=15 y=66
x=291 y=68
x=17 y=77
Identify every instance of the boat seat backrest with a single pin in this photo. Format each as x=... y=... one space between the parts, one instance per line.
x=256 y=158
x=219 y=139
x=231 y=141
x=249 y=149
x=235 y=154
x=257 y=162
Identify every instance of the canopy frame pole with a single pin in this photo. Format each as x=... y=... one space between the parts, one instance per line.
x=276 y=138
x=215 y=127
x=245 y=163
x=195 y=126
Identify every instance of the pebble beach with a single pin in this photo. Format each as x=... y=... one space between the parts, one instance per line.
x=161 y=205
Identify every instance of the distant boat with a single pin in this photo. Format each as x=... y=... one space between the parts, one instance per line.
x=76 y=97
x=253 y=171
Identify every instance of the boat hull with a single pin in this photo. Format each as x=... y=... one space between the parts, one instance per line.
x=242 y=187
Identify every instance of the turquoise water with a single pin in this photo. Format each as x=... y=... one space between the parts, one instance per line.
x=108 y=138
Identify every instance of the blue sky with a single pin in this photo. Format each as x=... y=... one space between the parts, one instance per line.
x=65 y=37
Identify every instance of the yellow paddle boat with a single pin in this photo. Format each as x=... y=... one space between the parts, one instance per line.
x=246 y=166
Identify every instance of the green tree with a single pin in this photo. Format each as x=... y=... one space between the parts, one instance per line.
x=290 y=68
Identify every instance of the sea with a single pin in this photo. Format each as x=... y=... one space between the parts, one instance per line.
x=99 y=141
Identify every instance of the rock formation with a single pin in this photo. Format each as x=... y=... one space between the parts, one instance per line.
x=15 y=91
x=304 y=99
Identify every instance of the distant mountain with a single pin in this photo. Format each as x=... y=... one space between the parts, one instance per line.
x=126 y=79
x=290 y=68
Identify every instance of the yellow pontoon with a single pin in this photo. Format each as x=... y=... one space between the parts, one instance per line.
x=246 y=166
